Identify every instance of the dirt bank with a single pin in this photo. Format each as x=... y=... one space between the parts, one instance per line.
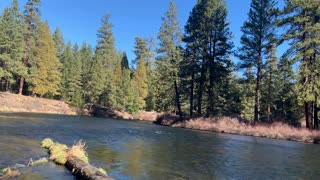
x=17 y=103
x=101 y=111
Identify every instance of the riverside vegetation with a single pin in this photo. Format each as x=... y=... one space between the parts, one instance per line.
x=195 y=78
x=74 y=158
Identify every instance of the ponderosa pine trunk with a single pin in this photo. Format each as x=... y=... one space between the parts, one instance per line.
x=178 y=99
x=257 y=91
x=191 y=93
x=315 y=113
x=308 y=114
x=200 y=90
x=211 y=76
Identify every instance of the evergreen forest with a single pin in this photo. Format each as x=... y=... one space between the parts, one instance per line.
x=189 y=72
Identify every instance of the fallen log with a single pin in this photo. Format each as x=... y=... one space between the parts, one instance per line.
x=75 y=159
x=84 y=170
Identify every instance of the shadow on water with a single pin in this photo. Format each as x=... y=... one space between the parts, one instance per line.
x=138 y=150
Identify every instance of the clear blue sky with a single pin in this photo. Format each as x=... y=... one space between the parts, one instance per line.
x=79 y=19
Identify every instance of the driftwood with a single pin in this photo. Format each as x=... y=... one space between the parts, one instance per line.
x=84 y=170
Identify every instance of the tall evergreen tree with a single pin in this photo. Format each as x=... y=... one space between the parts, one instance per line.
x=258 y=35
x=86 y=58
x=119 y=92
x=59 y=41
x=208 y=41
x=32 y=20
x=71 y=76
x=45 y=75
x=11 y=45
x=144 y=50
x=268 y=86
x=140 y=82
x=106 y=54
x=169 y=60
x=286 y=95
x=303 y=18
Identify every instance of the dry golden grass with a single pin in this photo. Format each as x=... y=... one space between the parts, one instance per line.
x=234 y=126
x=79 y=150
x=59 y=153
x=10 y=173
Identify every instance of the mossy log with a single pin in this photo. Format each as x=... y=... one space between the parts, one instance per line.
x=75 y=159
x=84 y=170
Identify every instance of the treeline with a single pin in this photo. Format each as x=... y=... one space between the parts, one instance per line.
x=189 y=73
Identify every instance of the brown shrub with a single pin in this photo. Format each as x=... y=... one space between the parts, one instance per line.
x=234 y=126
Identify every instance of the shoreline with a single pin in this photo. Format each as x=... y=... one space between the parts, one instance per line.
x=227 y=125
x=12 y=103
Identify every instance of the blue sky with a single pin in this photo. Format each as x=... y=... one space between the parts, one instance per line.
x=79 y=20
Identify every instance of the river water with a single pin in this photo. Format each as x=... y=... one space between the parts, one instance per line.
x=141 y=150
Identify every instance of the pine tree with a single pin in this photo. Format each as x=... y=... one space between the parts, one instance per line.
x=144 y=50
x=268 y=86
x=169 y=59
x=11 y=45
x=302 y=18
x=86 y=58
x=59 y=41
x=71 y=76
x=96 y=81
x=248 y=95
x=140 y=82
x=286 y=95
x=119 y=92
x=106 y=54
x=32 y=21
x=209 y=43
x=258 y=35
x=45 y=75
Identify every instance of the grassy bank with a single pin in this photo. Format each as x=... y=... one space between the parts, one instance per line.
x=234 y=126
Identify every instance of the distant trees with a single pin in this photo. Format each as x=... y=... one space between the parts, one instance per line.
x=194 y=78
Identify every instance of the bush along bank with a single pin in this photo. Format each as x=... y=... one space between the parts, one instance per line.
x=234 y=126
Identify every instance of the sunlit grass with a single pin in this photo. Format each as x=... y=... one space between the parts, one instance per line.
x=234 y=126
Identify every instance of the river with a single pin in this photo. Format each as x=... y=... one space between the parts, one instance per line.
x=141 y=150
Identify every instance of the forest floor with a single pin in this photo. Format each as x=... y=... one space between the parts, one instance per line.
x=18 y=103
x=234 y=126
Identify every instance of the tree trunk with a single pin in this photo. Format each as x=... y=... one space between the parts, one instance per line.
x=191 y=93
x=308 y=114
x=25 y=59
x=84 y=170
x=178 y=99
x=21 y=85
x=257 y=90
x=200 y=91
x=211 y=76
x=315 y=114
x=269 y=95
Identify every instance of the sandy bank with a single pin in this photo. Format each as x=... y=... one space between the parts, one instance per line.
x=17 y=103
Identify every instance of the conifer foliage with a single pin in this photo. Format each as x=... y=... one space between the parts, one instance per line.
x=189 y=73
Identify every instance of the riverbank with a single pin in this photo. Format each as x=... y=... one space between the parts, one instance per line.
x=19 y=103
x=234 y=126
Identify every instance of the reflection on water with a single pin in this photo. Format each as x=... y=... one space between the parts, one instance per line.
x=139 y=150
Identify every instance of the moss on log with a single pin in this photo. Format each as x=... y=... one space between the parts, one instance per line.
x=75 y=159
